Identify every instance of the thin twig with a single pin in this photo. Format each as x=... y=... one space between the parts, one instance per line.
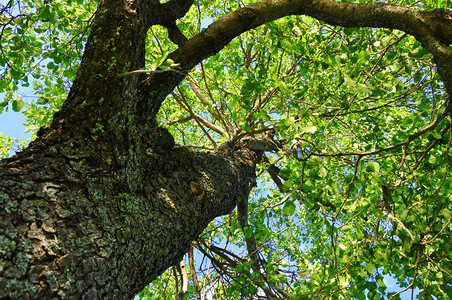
x=152 y=72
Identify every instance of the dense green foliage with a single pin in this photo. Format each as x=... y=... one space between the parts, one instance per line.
x=360 y=186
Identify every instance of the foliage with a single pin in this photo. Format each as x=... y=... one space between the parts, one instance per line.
x=41 y=45
x=359 y=187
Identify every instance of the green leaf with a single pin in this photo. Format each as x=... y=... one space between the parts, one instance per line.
x=264 y=115
x=2 y=105
x=239 y=268
x=42 y=100
x=44 y=12
x=255 y=116
x=283 y=87
x=248 y=232
x=51 y=65
x=169 y=63
x=157 y=62
x=322 y=172
x=309 y=129
x=342 y=246
x=289 y=208
x=246 y=126
x=348 y=81
x=246 y=266
x=17 y=104
x=373 y=167
x=362 y=87
x=446 y=213
x=363 y=55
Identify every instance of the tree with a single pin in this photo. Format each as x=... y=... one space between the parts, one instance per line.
x=351 y=123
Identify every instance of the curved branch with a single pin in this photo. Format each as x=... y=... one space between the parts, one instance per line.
x=410 y=20
x=430 y=28
x=154 y=13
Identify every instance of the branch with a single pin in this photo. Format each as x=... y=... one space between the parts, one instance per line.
x=183 y=103
x=390 y=216
x=273 y=171
x=232 y=259
x=175 y=9
x=180 y=121
x=197 y=119
x=166 y=14
x=196 y=88
x=220 y=33
x=191 y=263
x=441 y=231
x=411 y=138
x=184 y=277
x=430 y=28
x=175 y=35
x=152 y=72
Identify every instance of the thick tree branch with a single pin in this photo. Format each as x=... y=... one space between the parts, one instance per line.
x=154 y=13
x=342 y=14
x=175 y=9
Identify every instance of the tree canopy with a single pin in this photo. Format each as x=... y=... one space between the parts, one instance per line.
x=346 y=105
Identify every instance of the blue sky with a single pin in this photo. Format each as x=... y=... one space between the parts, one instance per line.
x=11 y=124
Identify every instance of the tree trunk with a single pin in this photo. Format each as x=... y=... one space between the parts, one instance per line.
x=101 y=204
x=79 y=226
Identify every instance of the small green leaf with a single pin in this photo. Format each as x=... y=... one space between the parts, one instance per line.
x=255 y=116
x=343 y=282
x=42 y=100
x=309 y=129
x=289 y=208
x=290 y=121
x=51 y=65
x=44 y=12
x=366 y=202
x=264 y=115
x=169 y=63
x=446 y=213
x=373 y=167
x=246 y=126
x=248 y=232
x=2 y=105
x=283 y=87
x=156 y=63
x=18 y=104
x=363 y=55
x=436 y=135
x=342 y=246
x=375 y=179
x=239 y=268
x=348 y=81
x=246 y=266
x=362 y=87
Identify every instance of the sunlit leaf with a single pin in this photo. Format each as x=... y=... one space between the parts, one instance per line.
x=289 y=208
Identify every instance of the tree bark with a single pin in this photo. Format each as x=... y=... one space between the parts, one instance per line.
x=101 y=203
x=76 y=226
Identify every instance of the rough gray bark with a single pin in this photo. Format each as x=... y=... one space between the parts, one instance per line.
x=75 y=226
x=101 y=204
